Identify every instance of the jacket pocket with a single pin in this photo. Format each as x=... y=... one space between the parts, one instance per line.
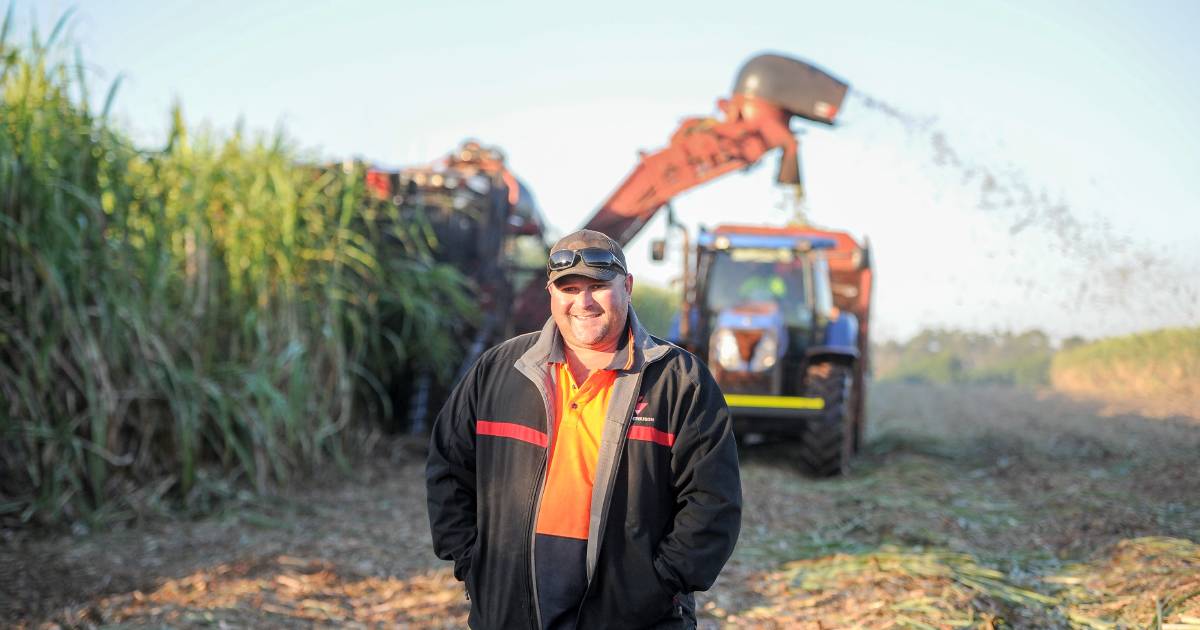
x=470 y=576
x=660 y=574
x=650 y=599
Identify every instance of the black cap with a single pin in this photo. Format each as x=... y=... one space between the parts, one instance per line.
x=584 y=239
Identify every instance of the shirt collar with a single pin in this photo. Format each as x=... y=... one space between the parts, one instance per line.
x=622 y=360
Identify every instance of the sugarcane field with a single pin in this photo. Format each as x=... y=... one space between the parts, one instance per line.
x=524 y=315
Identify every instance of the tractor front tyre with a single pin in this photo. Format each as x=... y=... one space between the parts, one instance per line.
x=828 y=439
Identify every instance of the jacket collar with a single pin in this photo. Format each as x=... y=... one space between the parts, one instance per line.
x=548 y=348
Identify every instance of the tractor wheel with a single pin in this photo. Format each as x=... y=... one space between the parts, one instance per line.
x=828 y=440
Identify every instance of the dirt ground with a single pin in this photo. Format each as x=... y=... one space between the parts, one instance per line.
x=970 y=507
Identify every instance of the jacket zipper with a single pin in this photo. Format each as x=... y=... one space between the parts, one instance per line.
x=612 y=480
x=532 y=535
x=537 y=505
x=608 y=493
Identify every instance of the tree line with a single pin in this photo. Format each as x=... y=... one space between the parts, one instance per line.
x=943 y=356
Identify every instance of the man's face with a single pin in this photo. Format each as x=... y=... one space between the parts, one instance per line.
x=590 y=313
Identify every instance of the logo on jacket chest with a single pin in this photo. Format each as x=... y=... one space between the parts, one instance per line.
x=642 y=428
x=639 y=409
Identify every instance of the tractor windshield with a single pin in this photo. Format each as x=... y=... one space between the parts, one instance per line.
x=740 y=277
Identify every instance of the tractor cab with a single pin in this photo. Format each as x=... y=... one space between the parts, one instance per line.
x=760 y=300
x=761 y=314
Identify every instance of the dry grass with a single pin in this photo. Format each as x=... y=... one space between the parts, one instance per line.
x=286 y=591
x=967 y=498
x=973 y=507
x=1144 y=581
x=885 y=588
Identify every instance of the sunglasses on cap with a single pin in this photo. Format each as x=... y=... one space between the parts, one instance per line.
x=591 y=256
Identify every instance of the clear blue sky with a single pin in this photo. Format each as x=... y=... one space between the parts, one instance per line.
x=1091 y=104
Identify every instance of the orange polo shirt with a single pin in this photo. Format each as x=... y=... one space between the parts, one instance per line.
x=579 y=416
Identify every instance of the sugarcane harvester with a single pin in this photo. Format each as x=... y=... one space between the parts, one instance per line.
x=780 y=313
x=483 y=218
x=483 y=221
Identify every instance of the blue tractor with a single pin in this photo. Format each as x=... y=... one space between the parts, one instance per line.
x=762 y=309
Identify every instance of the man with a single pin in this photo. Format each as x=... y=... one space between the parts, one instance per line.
x=585 y=476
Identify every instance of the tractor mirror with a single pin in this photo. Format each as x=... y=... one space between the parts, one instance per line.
x=658 y=249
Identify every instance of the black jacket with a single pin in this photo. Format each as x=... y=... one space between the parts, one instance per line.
x=666 y=506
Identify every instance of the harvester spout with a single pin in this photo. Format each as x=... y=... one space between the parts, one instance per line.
x=799 y=88
x=771 y=89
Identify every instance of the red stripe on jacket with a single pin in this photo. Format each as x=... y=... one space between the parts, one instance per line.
x=650 y=434
x=511 y=430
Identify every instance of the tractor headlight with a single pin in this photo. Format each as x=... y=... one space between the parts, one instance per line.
x=725 y=350
x=766 y=353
